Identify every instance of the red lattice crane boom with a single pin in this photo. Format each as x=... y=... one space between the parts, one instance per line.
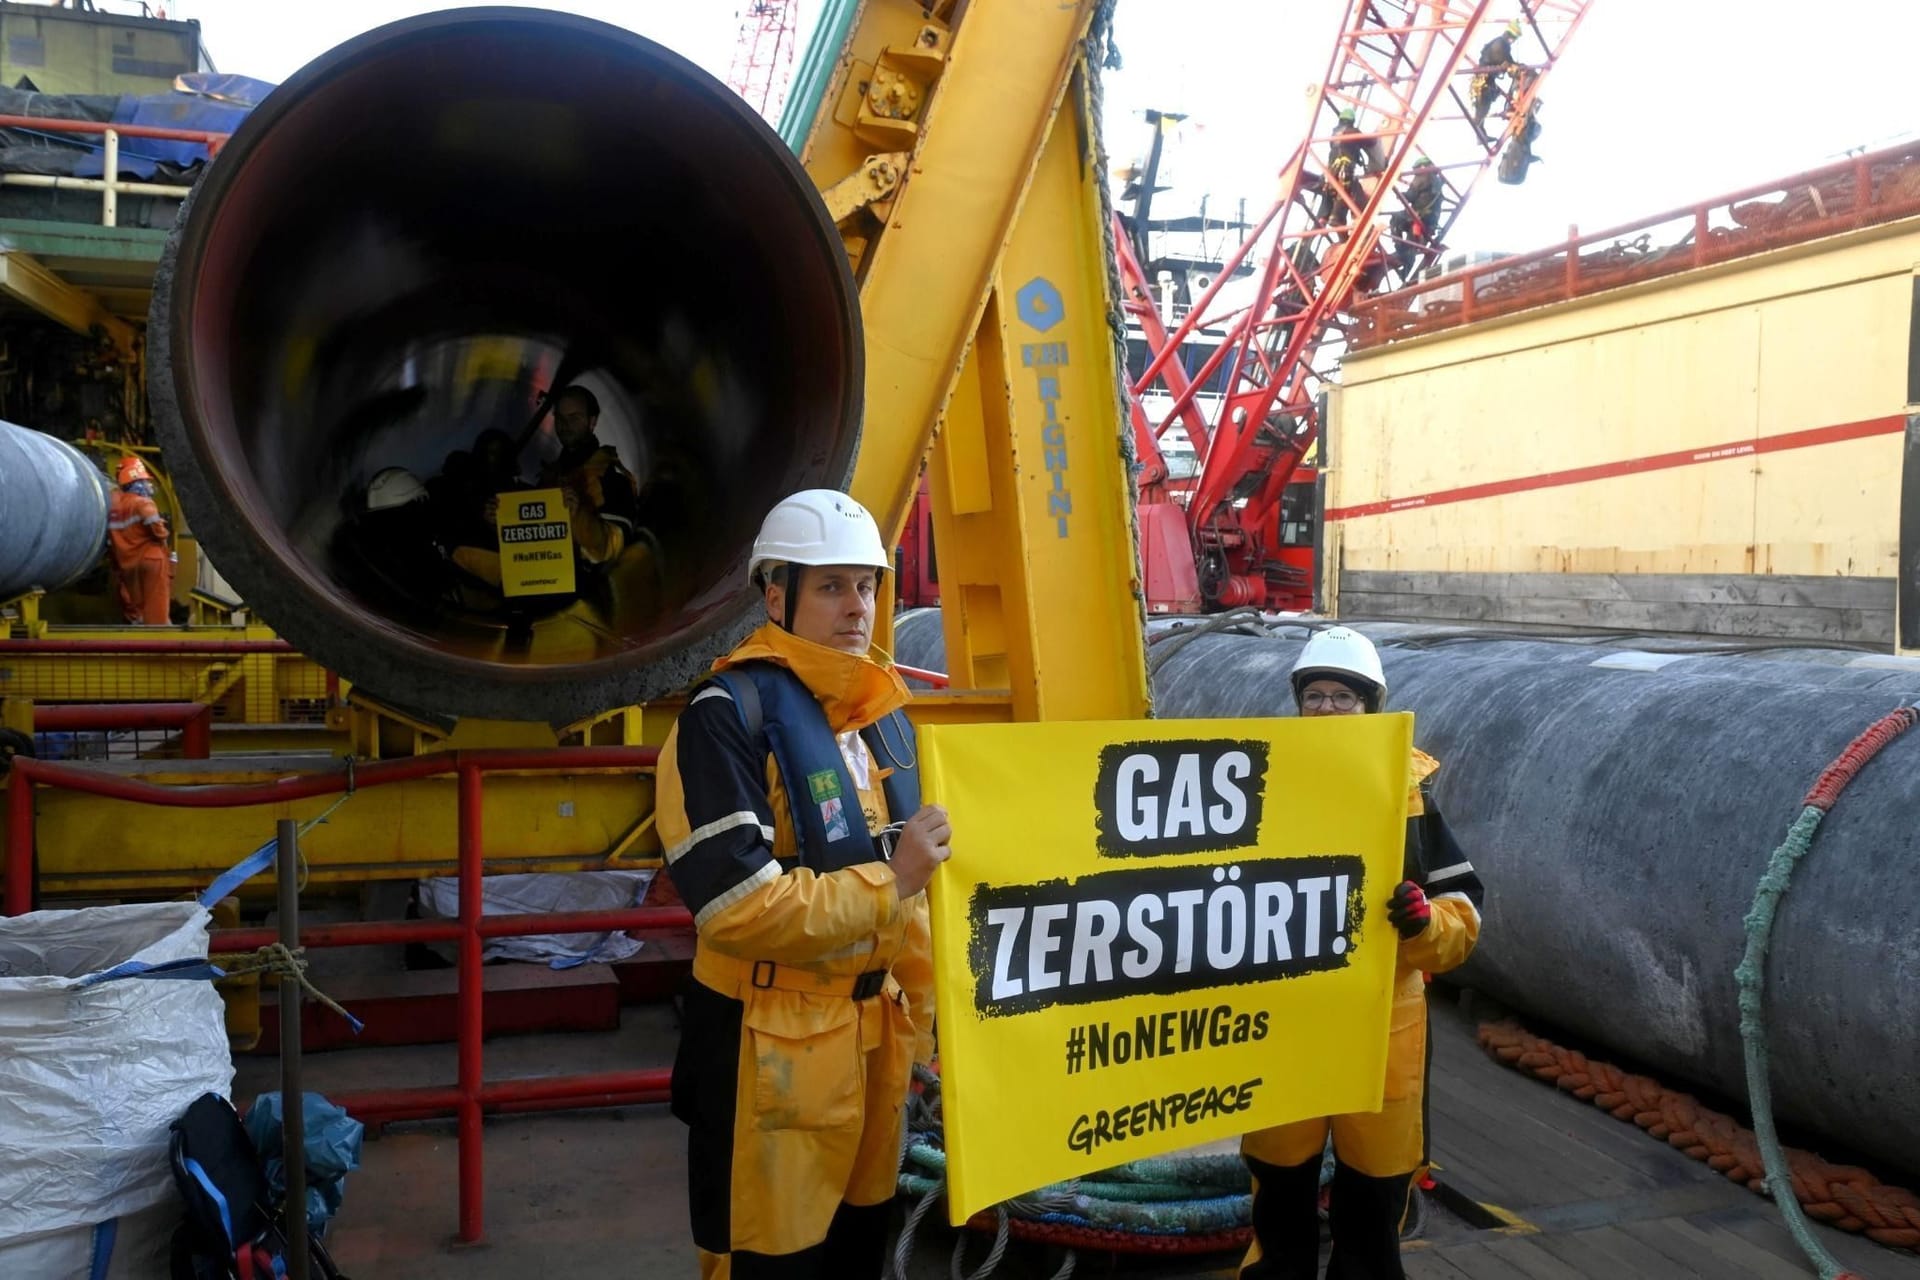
x=1407 y=70
x=762 y=67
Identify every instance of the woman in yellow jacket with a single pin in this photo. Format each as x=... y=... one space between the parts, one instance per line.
x=1436 y=910
x=782 y=790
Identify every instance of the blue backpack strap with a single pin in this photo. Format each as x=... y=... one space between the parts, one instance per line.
x=195 y=1170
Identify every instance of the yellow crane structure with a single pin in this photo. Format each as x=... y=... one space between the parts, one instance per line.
x=954 y=149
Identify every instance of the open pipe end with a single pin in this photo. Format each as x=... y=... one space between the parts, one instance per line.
x=395 y=260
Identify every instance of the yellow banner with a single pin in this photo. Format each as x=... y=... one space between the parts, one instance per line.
x=536 y=544
x=1154 y=934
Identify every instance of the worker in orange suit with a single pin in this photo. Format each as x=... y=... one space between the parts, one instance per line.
x=789 y=804
x=1435 y=910
x=137 y=543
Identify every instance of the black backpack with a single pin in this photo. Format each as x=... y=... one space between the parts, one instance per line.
x=232 y=1229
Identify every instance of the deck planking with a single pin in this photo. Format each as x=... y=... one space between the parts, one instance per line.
x=1590 y=1197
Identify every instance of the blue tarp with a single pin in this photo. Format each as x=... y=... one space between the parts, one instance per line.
x=333 y=1151
x=203 y=102
x=140 y=157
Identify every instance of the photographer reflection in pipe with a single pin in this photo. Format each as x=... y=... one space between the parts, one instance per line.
x=601 y=497
x=433 y=549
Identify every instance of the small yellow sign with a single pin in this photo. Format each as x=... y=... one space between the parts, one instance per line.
x=536 y=544
x=1157 y=934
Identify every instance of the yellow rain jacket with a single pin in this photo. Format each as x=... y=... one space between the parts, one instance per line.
x=813 y=990
x=1383 y=1148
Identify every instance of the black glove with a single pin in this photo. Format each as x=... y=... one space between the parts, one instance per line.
x=1408 y=910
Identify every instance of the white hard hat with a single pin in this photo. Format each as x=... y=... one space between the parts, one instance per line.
x=394 y=487
x=1340 y=653
x=818 y=527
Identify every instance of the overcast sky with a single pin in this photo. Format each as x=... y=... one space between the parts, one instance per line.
x=1658 y=103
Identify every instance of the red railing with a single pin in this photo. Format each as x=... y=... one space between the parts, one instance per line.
x=193 y=720
x=47 y=124
x=1867 y=190
x=471 y=1096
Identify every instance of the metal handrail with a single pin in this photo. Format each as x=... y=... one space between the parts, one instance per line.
x=472 y=1095
x=110 y=185
x=1559 y=273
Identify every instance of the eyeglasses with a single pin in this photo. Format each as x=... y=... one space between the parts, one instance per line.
x=1344 y=700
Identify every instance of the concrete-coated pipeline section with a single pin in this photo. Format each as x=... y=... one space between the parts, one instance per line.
x=1621 y=817
x=53 y=512
x=402 y=250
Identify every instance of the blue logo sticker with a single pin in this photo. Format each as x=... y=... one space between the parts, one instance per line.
x=1038 y=303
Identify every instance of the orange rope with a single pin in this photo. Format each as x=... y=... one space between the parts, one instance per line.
x=1839 y=1195
x=1108 y=1240
x=1835 y=777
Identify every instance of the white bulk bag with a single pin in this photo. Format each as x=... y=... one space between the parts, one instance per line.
x=95 y=1064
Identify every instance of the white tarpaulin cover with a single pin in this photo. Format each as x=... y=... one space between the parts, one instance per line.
x=543 y=892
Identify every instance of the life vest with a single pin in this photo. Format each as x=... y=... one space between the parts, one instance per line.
x=828 y=825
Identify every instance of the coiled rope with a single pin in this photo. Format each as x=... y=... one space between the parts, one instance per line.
x=278 y=959
x=1183 y=1204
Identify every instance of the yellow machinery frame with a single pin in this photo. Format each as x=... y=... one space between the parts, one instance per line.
x=957 y=148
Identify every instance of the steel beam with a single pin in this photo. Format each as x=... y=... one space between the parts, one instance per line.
x=25 y=279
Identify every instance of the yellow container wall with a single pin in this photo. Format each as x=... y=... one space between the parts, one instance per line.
x=1807 y=339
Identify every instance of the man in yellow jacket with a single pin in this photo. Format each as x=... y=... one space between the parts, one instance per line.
x=782 y=793
x=1436 y=911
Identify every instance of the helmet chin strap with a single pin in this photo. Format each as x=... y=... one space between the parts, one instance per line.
x=791 y=594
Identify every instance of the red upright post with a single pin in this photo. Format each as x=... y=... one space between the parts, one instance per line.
x=196 y=736
x=472 y=834
x=19 y=842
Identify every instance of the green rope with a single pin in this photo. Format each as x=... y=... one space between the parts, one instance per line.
x=1751 y=976
x=300 y=883
x=1752 y=972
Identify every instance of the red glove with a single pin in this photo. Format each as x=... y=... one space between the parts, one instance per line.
x=1408 y=910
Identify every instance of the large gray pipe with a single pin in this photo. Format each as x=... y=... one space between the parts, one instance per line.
x=400 y=251
x=53 y=512
x=1621 y=818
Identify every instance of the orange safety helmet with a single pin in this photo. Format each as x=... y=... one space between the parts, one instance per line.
x=131 y=469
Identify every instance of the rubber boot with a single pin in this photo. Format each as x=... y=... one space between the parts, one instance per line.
x=1366 y=1214
x=1286 y=1221
x=857 y=1242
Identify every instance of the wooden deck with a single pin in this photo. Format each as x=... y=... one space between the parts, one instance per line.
x=1590 y=1196
x=1582 y=1196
